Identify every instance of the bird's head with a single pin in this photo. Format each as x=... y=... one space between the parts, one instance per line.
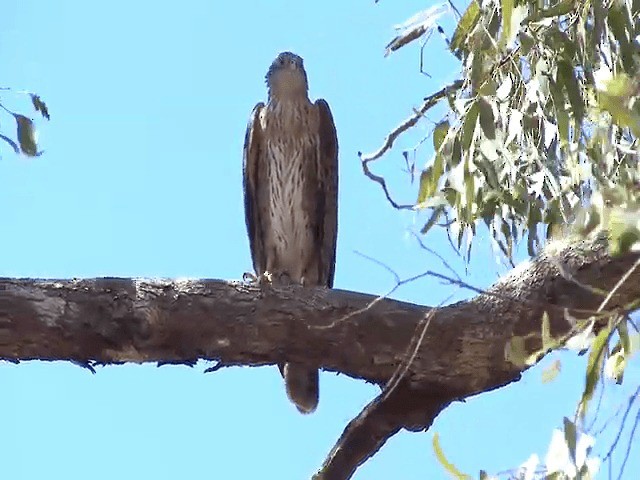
x=286 y=76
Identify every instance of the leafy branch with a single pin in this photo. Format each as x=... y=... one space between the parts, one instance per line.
x=25 y=128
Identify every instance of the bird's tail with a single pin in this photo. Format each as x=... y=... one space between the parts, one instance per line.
x=302 y=386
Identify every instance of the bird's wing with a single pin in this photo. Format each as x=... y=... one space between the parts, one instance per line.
x=328 y=192
x=251 y=171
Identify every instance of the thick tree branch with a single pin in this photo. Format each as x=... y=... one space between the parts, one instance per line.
x=463 y=351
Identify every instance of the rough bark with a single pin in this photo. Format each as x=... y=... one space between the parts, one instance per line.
x=463 y=352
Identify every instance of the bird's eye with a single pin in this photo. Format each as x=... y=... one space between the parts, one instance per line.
x=281 y=61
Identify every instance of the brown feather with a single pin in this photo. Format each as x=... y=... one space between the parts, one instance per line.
x=328 y=185
x=251 y=185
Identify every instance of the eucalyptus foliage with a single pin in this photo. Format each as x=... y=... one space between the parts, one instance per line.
x=541 y=139
x=543 y=131
x=25 y=129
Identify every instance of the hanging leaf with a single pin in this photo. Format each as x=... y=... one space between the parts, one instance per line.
x=562 y=114
x=429 y=179
x=39 y=105
x=26 y=135
x=614 y=97
x=487 y=120
x=469 y=126
x=625 y=341
x=623 y=233
x=620 y=26
x=507 y=12
x=478 y=74
x=432 y=219
x=594 y=365
x=11 y=142
x=571 y=437
x=448 y=466
x=419 y=25
x=572 y=86
x=439 y=134
x=615 y=365
x=430 y=176
x=464 y=28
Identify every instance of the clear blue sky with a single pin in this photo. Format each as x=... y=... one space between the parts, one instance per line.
x=142 y=177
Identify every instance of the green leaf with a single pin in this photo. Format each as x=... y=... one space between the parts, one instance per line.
x=507 y=13
x=620 y=25
x=39 y=105
x=615 y=99
x=562 y=115
x=615 y=365
x=456 y=152
x=623 y=333
x=561 y=8
x=429 y=180
x=26 y=135
x=448 y=466
x=432 y=219
x=469 y=190
x=594 y=365
x=550 y=373
x=487 y=120
x=534 y=217
x=469 y=126
x=439 y=134
x=516 y=352
x=571 y=437
x=567 y=74
x=478 y=74
x=634 y=344
x=464 y=28
x=623 y=235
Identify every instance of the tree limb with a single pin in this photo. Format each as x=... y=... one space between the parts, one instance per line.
x=462 y=353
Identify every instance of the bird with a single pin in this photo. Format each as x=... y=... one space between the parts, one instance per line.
x=290 y=183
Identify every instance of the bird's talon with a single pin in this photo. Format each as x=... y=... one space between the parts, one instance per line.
x=249 y=277
x=266 y=278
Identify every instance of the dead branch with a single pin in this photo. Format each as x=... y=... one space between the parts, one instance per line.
x=462 y=352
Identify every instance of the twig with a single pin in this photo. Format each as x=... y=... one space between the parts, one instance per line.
x=626 y=454
x=600 y=397
x=429 y=102
x=381 y=264
x=413 y=347
x=606 y=423
x=380 y=180
x=632 y=398
x=618 y=285
x=372 y=303
x=436 y=254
